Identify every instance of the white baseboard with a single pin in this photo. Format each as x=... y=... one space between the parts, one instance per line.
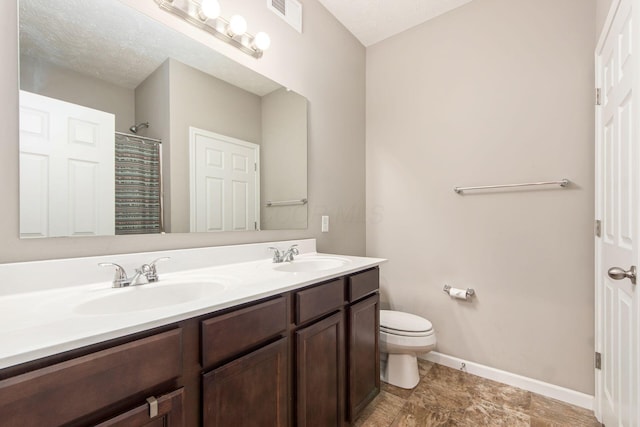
x=549 y=390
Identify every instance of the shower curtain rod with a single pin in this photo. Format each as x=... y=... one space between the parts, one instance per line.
x=145 y=138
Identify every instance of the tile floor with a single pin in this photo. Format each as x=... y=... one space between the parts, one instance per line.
x=449 y=397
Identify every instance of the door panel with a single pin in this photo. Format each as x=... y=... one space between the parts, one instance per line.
x=34 y=197
x=249 y=391
x=224 y=182
x=320 y=369
x=364 y=361
x=67 y=184
x=617 y=204
x=213 y=200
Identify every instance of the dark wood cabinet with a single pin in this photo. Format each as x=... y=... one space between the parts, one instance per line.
x=76 y=391
x=170 y=413
x=317 y=301
x=320 y=365
x=241 y=330
x=363 y=364
x=307 y=357
x=249 y=391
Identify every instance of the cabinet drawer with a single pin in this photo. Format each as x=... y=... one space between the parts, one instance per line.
x=363 y=284
x=232 y=333
x=170 y=413
x=319 y=300
x=64 y=392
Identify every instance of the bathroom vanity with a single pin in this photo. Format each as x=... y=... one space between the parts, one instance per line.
x=284 y=345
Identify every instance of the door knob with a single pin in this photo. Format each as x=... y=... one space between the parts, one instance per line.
x=617 y=273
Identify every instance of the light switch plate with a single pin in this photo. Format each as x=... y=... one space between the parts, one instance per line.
x=325 y=223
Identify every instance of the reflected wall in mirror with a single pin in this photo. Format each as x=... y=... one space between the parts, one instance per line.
x=118 y=110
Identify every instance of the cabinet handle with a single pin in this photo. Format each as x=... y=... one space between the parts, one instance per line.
x=153 y=406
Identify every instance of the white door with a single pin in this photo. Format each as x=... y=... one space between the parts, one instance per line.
x=617 y=165
x=224 y=182
x=66 y=169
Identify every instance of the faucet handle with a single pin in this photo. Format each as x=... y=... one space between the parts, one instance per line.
x=162 y=258
x=288 y=255
x=151 y=270
x=120 y=278
x=277 y=256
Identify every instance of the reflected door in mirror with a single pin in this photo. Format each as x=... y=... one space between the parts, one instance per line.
x=66 y=169
x=224 y=182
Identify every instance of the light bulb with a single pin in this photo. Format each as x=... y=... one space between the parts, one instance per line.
x=210 y=8
x=237 y=25
x=262 y=41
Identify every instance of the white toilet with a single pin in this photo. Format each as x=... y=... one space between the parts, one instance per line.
x=403 y=337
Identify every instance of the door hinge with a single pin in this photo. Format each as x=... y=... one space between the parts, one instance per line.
x=255 y=225
x=598 y=96
x=598 y=360
x=255 y=167
x=598 y=228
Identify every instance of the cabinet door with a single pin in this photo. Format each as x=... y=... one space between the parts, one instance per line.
x=320 y=373
x=82 y=387
x=249 y=391
x=364 y=357
x=170 y=414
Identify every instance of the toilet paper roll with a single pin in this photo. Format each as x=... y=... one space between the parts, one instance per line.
x=458 y=293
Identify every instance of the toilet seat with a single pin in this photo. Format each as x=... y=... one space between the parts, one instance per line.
x=404 y=324
x=405 y=333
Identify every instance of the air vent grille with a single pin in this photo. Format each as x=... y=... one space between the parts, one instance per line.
x=280 y=6
x=289 y=10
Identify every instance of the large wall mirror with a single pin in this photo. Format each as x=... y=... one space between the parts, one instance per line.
x=130 y=127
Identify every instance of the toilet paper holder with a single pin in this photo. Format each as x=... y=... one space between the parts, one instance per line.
x=470 y=291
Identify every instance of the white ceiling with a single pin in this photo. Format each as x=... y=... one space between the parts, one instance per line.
x=372 y=21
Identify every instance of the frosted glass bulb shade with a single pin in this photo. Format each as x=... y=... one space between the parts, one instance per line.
x=262 y=41
x=237 y=25
x=210 y=8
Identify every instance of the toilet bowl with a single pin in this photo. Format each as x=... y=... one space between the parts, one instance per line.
x=403 y=337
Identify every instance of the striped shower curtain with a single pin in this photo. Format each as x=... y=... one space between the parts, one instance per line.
x=138 y=189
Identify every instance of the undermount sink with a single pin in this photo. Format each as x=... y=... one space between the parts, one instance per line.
x=149 y=296
x=308 y=265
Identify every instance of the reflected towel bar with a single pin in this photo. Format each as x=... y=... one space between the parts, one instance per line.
x=562 y=183
x=286 y=203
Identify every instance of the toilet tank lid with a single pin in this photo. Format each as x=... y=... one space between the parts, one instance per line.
x=401 y=321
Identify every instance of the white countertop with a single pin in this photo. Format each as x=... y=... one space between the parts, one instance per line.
x=41 y=323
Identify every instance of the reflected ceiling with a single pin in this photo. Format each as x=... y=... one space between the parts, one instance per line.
x=82 y=45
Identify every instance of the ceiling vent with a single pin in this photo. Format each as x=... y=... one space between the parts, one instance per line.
x=289 y=10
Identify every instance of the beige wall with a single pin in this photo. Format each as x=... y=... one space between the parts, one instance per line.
x=50 y=80
x=284 y=145
x=152 y=106
x=326 y=64
x=496 y=91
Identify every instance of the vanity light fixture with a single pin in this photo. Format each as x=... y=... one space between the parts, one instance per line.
x=237 y=26
x=205 y=14
x=210 y=9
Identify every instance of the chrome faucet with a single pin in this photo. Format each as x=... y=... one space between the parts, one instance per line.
x=284 y=256
x=120 y=279
x=141 y=277
x=288 y=255
x=152 y=272
x=147 y=273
